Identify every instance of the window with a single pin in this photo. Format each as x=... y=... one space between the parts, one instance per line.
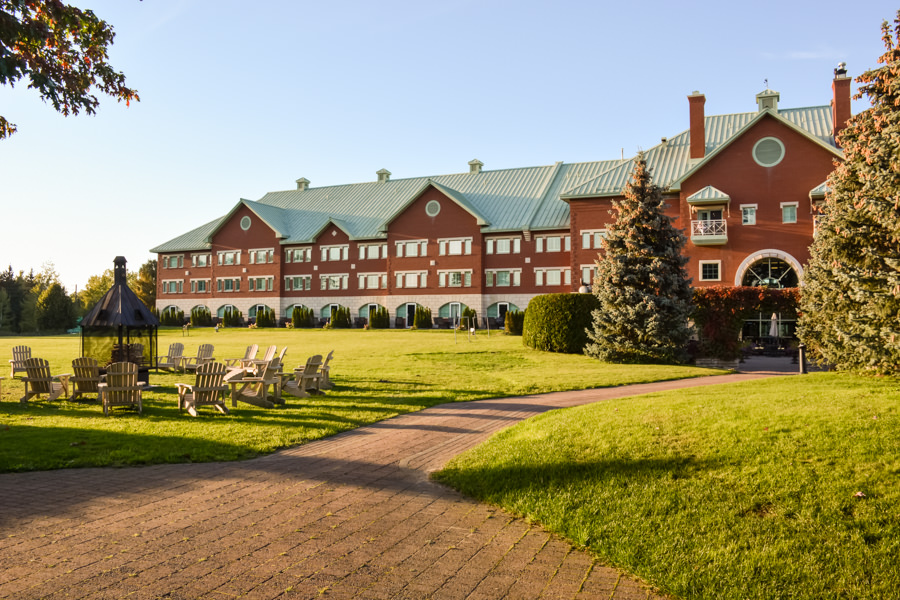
x=173 y=262
x=201 y=260
x=172 y=287
x=454 y=246
x=588 y=272
x=245 y=223
x=510 y=245
x=432 y=208
x=592 y=238
x=552 y=276
x=413 y=248
x=454 y=278
x=228 y=284
x=229 y=258
x=372 y=281
x=503 y=278
x=412 y=279
x=263 y=256
x=199 y=286
x=788 y=212
x=710 y=270
x=297 y=255
x=298 y=283
x=553 y=243
x=748 y=214
x=372 y=251
x=338 y=281
x=333 y=253
x=260 y=284
x=768 y=152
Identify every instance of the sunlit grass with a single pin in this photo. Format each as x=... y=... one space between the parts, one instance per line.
x=779 y=488
x=378 y=374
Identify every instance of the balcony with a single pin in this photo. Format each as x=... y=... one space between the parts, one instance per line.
x=709 y=232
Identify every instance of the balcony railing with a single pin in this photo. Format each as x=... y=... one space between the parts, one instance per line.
x=709 y=232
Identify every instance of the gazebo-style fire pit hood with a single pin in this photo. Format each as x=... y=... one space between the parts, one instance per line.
x=120 y=327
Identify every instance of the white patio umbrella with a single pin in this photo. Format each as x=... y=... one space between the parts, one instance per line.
x=773 y=326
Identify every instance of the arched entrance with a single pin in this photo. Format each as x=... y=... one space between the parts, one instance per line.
x=769 y=268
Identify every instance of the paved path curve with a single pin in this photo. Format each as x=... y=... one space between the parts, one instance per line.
x=352 y=516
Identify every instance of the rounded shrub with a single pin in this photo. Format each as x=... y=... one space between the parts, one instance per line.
x=559 y=322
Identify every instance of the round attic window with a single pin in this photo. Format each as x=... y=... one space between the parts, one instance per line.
x=245 y=223
x=768 y=152
x=432 y=208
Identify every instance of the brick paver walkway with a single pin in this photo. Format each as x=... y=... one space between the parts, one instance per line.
x=352 y=516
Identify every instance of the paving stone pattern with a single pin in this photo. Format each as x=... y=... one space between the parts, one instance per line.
x=352 y=516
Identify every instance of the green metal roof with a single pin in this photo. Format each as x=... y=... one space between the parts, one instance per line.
x=529 y=198
x=708 y=195
x=818 y=192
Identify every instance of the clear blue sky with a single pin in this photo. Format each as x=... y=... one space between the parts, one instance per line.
x=239 y=99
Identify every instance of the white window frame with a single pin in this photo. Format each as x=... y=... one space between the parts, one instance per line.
x=491 y=277
x=334 y=281
x=404 y=277
x=403 y=248
x=298 y=255
x=364 y=279
x=588 y=273
x=795 y=206
x=195 y=286
x=445 y=244
x=222 y=257
x=380 y=249
x=543 y=243
x=540 y=276
x=343 y=252
x=291 y=281
x=751 y=210
x=253 y=284
x=465 y=277
x=718 y=264
x=173 y=286
x=224 y=282
x=591 y=238
x=492 y=244
x=195 y=260
x=268 y=255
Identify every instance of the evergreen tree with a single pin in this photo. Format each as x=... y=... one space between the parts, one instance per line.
x=641 y=282
x=5 y=311
x=851 y=293
x=54 y=309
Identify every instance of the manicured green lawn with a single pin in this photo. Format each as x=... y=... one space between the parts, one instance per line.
x=378 y=374
x=780 y=488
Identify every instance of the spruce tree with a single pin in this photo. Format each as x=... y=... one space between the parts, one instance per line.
x=851 y=294
x=641 y=282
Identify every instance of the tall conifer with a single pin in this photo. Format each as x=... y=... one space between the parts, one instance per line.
x=642 y=285
x=851 y=293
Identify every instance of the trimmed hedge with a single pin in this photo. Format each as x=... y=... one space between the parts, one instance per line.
x=559 y=322
x=340 y=318
x=265 y=318
x=514 y=321
x=422 y=318
x=233 y=318
x=379 y=318
x=201 y=317
x=303 y=316
x=172 y=317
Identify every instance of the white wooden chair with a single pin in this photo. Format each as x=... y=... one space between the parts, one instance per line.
x=172 y=360
x=86 y=379
x=254 y=389
x=39 y=382
x=306 y=379
x=325 y=379
x=121 y=387
x=249 y=355
x=204 y=355
x=17 y=362
x=209 y=389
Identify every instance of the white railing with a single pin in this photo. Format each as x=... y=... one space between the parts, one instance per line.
x=709 y=228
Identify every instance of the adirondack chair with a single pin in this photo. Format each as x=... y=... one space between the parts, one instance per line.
x=249 y=355
x=266 y=359
x=17 y=363
x=204 y=355
x=306 y=379
x=86 y=379
x=121 y=387
x=209 y=389
x=38 y=381
x=253 y=389
x=325 y=371
x=172 y=360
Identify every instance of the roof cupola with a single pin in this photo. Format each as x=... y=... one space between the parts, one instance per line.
x=303 y=184
x=475 y=166
x=383 y=175
x=768 y=100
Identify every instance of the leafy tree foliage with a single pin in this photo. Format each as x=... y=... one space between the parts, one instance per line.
x=54 y=309
x=62 y=51
x=851 y=296
x=144 y=285
x=98 y=285
x=641 y=283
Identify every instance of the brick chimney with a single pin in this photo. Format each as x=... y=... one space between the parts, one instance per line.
x=698 y=125
x=840 y=102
